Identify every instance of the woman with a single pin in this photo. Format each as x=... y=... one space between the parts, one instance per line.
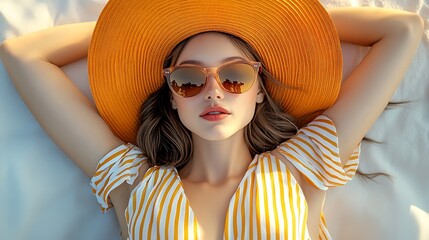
x=361 y=99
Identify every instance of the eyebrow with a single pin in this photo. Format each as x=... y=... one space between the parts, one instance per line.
x=195 y=62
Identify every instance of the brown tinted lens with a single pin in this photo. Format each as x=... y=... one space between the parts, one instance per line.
x=188 y=81
x=237 y=77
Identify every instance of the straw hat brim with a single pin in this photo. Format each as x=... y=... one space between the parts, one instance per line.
x=296 y=40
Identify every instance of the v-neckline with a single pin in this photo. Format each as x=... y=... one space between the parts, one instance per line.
x=246 y=175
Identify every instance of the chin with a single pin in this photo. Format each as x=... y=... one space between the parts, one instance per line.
x=217 y=138
x=214 y=135
x=210 y=136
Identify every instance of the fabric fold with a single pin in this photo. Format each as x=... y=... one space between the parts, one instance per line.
x=314 y=152
x=116 y=167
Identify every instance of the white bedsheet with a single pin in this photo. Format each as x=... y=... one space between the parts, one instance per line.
x=43 y=195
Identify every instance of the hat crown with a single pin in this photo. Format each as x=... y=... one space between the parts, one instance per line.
x=296 y=40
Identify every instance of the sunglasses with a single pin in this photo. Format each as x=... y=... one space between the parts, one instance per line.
x=234 y=77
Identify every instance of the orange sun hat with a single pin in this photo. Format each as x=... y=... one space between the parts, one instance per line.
x=296 y=39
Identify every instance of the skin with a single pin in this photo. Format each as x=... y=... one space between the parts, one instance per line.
x=218 y=143
x=221 y=157
x=33 y=62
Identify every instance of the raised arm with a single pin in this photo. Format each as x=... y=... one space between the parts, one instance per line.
x=33 y=62
x=393 y=36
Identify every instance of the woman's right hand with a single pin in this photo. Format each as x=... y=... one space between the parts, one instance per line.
x=33 y=62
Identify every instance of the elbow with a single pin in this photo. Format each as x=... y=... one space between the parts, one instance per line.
x=416 y=27
x=7 y=51
x=3 y=50
x=12 y=52
x=418 y=20
x=408 y=27
x=420 y=23
x=413 y=24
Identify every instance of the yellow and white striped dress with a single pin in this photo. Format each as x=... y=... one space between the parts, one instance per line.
x=268 y=203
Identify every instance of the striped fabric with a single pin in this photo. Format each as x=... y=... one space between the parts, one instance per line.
x=314 y=152
x=119 y=165
x=268 y=203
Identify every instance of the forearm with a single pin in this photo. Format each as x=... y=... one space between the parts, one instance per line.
x=58 y=45
x=366 y=26
x=393 y=37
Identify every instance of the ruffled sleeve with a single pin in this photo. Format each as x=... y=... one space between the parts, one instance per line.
x=314 y=152
x=119 y=165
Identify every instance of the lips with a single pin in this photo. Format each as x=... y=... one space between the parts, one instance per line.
x=215 y=110
x=215 y=113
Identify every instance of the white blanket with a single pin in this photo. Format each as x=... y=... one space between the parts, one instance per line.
x=43 y=195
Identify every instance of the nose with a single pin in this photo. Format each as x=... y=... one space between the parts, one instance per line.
x=212 y=90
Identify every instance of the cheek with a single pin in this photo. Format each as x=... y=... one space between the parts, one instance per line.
x=178 y=102
x=247 y=107
x=183 y=103
x=250 y=110
x=184 y=110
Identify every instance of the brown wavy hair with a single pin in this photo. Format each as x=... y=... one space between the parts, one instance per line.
x=166 y=141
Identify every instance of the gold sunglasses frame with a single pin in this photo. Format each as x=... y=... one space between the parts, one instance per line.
x=214 y=70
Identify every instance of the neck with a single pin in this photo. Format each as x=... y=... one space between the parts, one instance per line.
x=217 y=161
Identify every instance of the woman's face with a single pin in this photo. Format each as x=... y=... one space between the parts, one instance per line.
x=211 y=50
